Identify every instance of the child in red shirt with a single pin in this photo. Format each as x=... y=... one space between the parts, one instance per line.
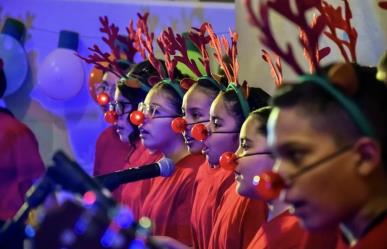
x=329 y=134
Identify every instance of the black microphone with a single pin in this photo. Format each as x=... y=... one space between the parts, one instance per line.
x=164 y=167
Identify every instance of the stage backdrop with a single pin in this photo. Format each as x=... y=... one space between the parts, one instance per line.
x=369 y=20
x=74 y=125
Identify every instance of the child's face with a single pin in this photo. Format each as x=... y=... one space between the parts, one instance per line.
x=250 y=142
x=156 y=132
x=108 y=86
x=325 y=194
x=196 y=107
x=123 y=108
x=220 y=121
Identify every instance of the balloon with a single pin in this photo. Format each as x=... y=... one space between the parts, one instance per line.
x=179 y=125
x=61 y=74
x=15 y=63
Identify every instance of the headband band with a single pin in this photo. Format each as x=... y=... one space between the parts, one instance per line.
x=352 y=109
x=244 y=105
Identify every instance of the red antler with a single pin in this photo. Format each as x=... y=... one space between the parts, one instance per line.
x=146 y=42
x=170 y=43
x=275 y=68
x=98 y=57
x=232 y=71
x=383 y=4
x=167 y=46
x=199 y=38
x=335 y=20
x=310 y=34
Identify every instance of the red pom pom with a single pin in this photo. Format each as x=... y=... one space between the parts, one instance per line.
x=269 y=185
x=199 y=132
x=111 y=117
x=103 y=98
x=137 y=118
x=228 y=161
x=179 y=124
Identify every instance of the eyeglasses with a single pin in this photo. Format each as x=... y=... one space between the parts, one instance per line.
x=151 y=111
x=120 y=107
x=319 y=162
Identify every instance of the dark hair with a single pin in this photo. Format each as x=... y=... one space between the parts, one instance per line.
x=257 y=98
x=134 y=96
x=3 y=82
x=173 y=97
x=143 y=70
x=209 y=87
x=327 y=114
x=262 y=115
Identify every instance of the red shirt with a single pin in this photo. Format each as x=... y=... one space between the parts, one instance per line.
x=237 y=221
x=20 y=163
x=210 y=185
x=169 y=201
x=133 y=194
x=285 y=232
x=376 y=238
x=110 y=153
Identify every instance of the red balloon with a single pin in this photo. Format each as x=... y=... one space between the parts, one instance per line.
x=111 y=116
x=199 y=132
x=137 y=118
x=103 y=98
x=228 y=161
x=269 y=185
x=179 y=125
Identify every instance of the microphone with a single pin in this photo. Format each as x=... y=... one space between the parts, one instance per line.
x=164 y=167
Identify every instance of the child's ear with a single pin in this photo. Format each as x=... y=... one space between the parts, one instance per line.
x=370 y=155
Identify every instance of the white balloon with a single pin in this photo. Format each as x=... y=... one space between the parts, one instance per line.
x=61 y=74
x=15 y=62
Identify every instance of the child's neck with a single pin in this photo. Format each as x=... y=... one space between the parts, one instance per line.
x=276 y=207
x=176 y=151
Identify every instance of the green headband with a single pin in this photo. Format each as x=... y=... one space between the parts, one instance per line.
x=213 y=81
x=245 y=106
x=174 y=85
x=352 y=109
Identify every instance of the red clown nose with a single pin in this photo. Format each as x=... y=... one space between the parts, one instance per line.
x=137 y=118
x=269 y=185
x=103 y=98
x=111 y=116
x=228 y=161
x=199 y=132
x=179 y=125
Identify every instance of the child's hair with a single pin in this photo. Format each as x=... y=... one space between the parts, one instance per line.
x=262 y=115
x=327 y=114
x=257 y=98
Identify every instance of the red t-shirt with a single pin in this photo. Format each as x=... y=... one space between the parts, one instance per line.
x=110 y=153
x=210 y=185
x=169 y=200
x=376 y=238
x=20 y=163
x=237 y=220
x=285 y=232
x=133 y=194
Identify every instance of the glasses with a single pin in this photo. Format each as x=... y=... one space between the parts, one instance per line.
x=319 y=162
x=120 y=107
x=151 y=111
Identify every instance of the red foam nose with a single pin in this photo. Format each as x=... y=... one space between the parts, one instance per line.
x=179 y=125
x=269 y=185
x=228 y=161
x=103 y=98
x=199 y=132
x=111 y=117
x=137 y=118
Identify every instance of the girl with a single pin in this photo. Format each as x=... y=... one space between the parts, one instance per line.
x=169 y=201
x=237 y=218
